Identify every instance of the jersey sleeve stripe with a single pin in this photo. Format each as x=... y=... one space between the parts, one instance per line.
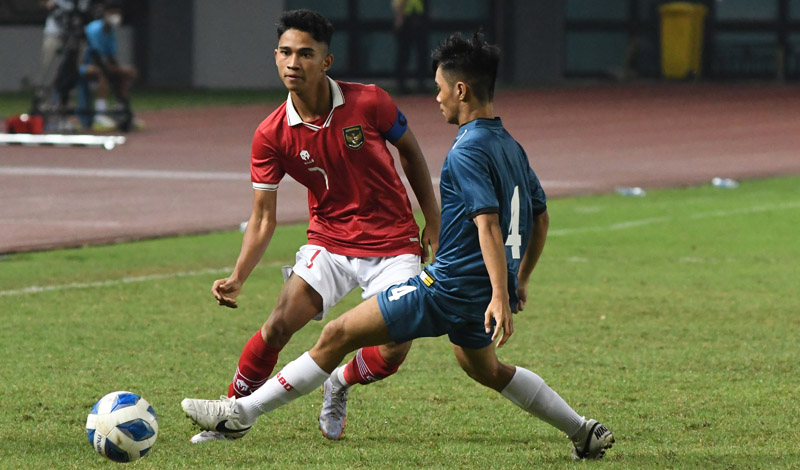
x=484 y=210
x=265 y=186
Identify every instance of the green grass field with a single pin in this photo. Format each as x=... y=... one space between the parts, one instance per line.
x=672 y=318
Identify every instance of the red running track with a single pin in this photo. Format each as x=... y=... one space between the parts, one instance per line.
x=188 y=172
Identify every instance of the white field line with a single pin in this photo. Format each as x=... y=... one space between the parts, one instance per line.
x=612 y=227
x=656 y=220
x=111 y=282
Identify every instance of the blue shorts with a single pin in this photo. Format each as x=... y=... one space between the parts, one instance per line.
x=411 y=311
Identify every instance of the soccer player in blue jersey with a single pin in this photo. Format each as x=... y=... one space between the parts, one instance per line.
x=494 y=225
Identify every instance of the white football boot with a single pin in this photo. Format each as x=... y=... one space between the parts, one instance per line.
x=592 y=441
x=333 y=415
x=221 y=416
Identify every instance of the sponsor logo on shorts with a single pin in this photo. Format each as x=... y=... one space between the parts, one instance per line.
x=426 y=277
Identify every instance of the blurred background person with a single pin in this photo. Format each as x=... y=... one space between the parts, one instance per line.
x=411 y=33
x=100 y=63
x=55 y=35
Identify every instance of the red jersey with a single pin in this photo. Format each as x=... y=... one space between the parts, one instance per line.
x=356 y=202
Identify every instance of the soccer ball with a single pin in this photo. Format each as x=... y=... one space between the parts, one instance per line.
x=122 y=426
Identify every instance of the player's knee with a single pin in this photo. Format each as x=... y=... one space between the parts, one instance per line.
x=334 y=336
x=335 y=330
x=473 y=372
x=394 y=353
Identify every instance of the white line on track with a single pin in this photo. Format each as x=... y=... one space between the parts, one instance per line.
x=138 y=174
x=131 y=173
x=62 y=223
x=612 y=227
x=122 y=173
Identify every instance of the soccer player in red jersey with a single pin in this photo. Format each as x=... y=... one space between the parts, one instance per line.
x=494 y=228
x=331 y=137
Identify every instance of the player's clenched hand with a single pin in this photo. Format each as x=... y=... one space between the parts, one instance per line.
x=225 y=291
x=522 y=293
x=500 y=312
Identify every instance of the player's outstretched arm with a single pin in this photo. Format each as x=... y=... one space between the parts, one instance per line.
x=256 y=238
x=541 y=224
x=419 y=177
x=490 y=237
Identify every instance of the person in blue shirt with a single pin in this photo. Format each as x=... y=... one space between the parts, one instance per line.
x=100 y=61
x=494 y=225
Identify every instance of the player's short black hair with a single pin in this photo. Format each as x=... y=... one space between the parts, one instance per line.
x=308 y=21
x=471 y=60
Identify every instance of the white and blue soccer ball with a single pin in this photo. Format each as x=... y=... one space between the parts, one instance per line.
x=122 y=426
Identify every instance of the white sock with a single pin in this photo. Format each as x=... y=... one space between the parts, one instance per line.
x=296 y=379
x=528 y=391
x=338 y=375
x=100 y=105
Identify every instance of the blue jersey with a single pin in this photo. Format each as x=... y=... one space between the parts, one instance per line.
x=100 y=41
x=486 y=171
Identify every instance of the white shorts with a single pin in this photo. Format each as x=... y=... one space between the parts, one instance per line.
x=334 y=276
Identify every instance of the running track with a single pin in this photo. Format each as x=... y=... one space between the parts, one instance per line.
x=188 y=172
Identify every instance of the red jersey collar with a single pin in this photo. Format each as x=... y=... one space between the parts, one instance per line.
x=295 y=119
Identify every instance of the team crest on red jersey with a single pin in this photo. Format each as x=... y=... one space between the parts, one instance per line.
x=354 y=136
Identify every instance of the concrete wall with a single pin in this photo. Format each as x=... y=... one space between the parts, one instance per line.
x=20 y=48
x=169 y=33
x=233 y=43
x=199 y=43
x=538 y=41
x=19 y=55
x=213 y=44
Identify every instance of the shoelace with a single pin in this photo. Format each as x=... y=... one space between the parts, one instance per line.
x=219 y=408
x=338 y=405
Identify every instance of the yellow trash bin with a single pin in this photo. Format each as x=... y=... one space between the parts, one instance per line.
x=681 y=39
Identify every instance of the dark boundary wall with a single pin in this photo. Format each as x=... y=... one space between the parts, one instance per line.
x=533 y=39
x=165 y=45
